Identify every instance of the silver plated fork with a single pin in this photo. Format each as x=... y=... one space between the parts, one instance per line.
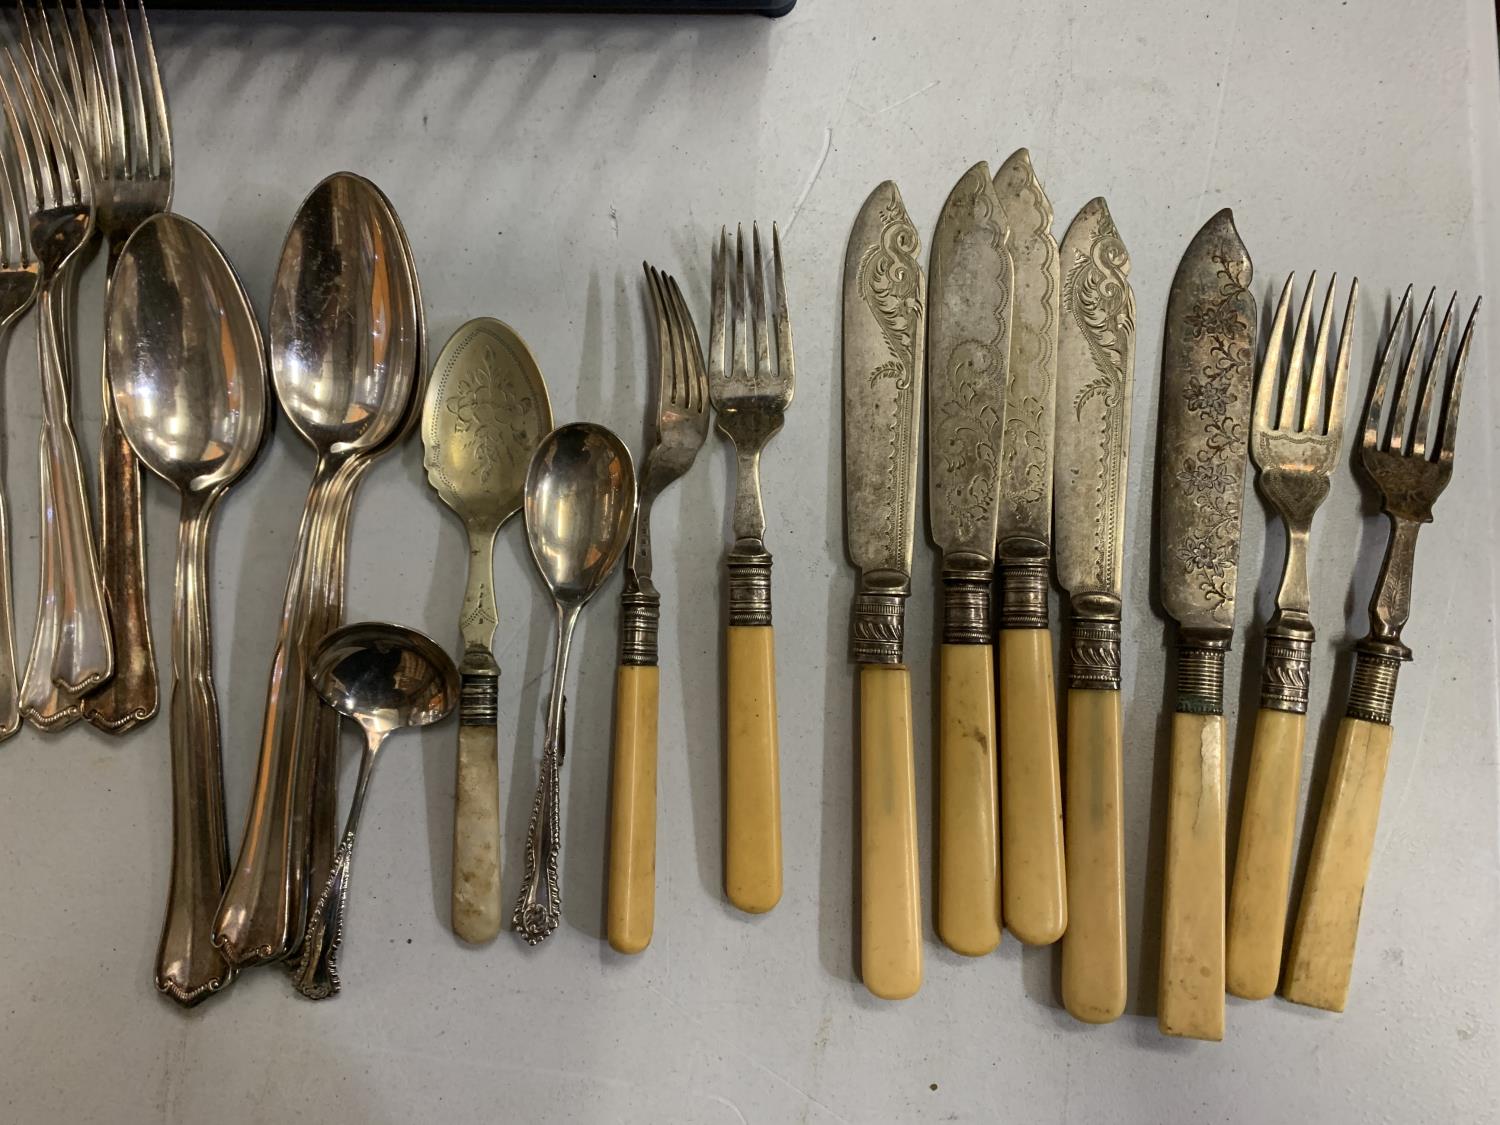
x=749 y=406
x=1294 y=453
x=681 y=425
x=71 y=650
x=1410 y=473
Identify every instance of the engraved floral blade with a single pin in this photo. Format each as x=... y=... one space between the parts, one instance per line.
x=969 y=349
x=1095 y=374
x=884 y=300
x=1031 y=380
x=1207 y=360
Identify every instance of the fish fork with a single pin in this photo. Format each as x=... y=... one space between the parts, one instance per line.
x=681 y=425
x=749 y=405
x=123 y=118
x=1409 y=474
x=71 y=649
x=1294 y=455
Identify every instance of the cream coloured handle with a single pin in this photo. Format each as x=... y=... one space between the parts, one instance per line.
x=890 y=891
x=632 y=820
x=968 y=888
x=1033 y=872
x=1323 y=940
x=1093 y=948
x=1263 y=861
x=1191 y=1001
x=752 y=815
x=476 y=835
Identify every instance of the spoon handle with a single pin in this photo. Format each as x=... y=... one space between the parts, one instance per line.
x=539 y=909
x=188 y=966
x=476 y=812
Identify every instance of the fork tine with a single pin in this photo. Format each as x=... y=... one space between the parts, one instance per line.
x=741 y=367
x=1448 y=426
x=786 y=369
x=1435 y=373
x=720 y=264
x=680 y=388
x=663 y=336
x=47 y=188
x=138 y=152
x=114 y=109
x=81 y=38
x=1270 y=368
x=692 y=351
x=25 y=162
x=758 y=311
x=1341 y=364
x=1296 y=370
x=1312 y=407
x=1382 y=384
x=1396 y=434
x=12 y=226
x=156 y=95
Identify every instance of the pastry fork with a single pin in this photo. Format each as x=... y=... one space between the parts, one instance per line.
x=1410 y=474
x=1293 y=455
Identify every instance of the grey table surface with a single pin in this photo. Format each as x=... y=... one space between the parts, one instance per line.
x=536 y=161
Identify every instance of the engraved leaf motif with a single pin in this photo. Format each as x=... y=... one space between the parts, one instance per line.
x=484 y=406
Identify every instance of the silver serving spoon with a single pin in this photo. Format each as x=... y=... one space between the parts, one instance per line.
x=187 y=368
x=345 y=334
x=580 y=502
x=383 y=677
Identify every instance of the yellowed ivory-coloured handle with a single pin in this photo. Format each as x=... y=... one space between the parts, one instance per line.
x=632 y=821
x=1263 y=861
x=476 y=836
x=1093 y=948
x=968 y=829
x=752 y=817
x=1328 y=921
x=890 y=892
x=1191 y=1001
x=1031 y=835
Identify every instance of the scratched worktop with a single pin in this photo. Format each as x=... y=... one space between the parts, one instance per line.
x=535 y=161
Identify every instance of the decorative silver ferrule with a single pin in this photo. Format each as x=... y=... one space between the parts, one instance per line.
x=1284 y=675
x=479 y=699
x=1023 y=593
x=1372 y=693
x=749 y=570
x=1200 y=676
x=966 y=607
x=1094 y=644
x=640 y=616
x=877 y=628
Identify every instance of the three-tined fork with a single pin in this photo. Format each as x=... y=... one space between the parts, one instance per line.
x=749 y=404
x=1410 y=473
x=1294 y=454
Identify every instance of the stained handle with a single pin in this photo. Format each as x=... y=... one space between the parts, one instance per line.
x=1191 y=1001
x=1093 y=948
x=1323 y=939
x=1033 y=875
x=476 y=818
x=632 y=822
x=1263 y=860
x=890 y=892
x=752 y=820
x=968 y=802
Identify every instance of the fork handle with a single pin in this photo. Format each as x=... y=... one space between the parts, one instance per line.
x=632 y=821
x=752 y=789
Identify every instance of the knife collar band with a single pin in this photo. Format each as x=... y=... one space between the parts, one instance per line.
x=1094 y=648
x=479 y=699
x=749 y=567
x=1023 y=594
x=641 y=614
x=1284 y=676
x=966 y=607
x=1200 y=677
x=1372 y=694
x=877 y=628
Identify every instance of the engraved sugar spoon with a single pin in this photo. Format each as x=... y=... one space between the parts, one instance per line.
x=383 y=677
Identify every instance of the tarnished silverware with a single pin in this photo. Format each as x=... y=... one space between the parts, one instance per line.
x=71 y=650
x=580 y=501
x=884 y=307
x=1095 y=380
x=749 y=404
x=1035 y=903
x=486 y=409
x=1294 y=455
x=124 y=122
x=681 y=425
x=19 y=273
x=344 y=345
x=384 y=677
x=1207 y=362
x=1410 y=473
x=970 y=282
x=184 y=357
